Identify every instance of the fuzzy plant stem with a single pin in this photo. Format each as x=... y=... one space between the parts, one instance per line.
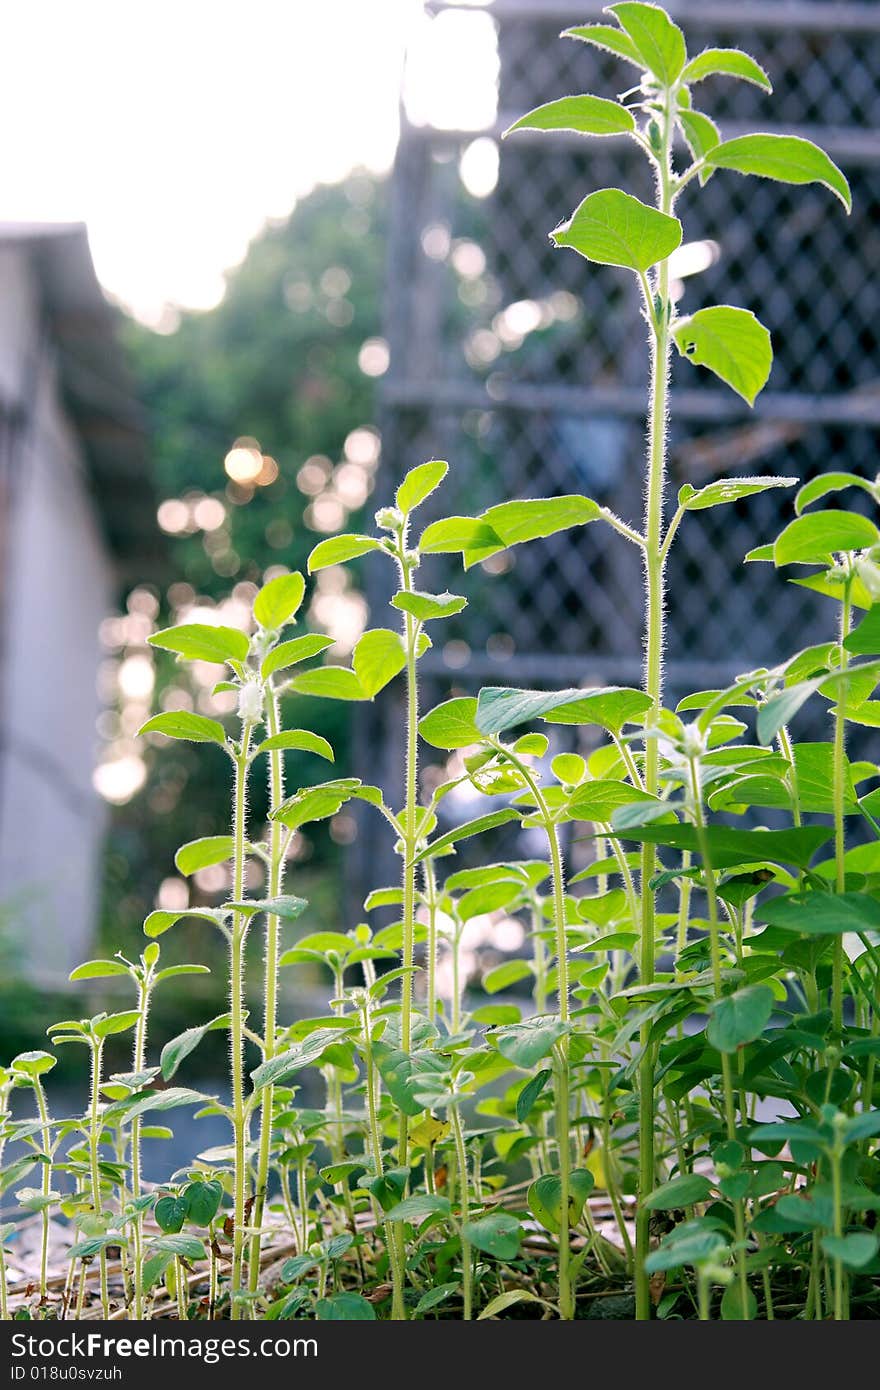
x=236 y=993
x=726 y=1069
x=562 y=1100
x=97 y=1049
x=139 y=1052
x=270 y=979
x=839 y=813
x=42 y=1110
x=410 y=837
x=467 y=1261
x=398 y=1308
x=430 y=880
x=654 y=645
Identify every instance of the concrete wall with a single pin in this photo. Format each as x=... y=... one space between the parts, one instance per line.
x=56 y=589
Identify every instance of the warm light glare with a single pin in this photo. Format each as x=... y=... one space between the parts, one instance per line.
x=243 y=464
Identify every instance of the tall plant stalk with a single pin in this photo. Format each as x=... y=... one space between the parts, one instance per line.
x=238 y=935
x=277 y=841
x=97 y=1050
x=839 y=794
x=658 y=309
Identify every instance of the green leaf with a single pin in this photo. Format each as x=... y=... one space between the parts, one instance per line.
x=279 y=600
x=159 y=921
x=37 y=1063
x=98 y=970
x=464 y=832
x=296 y=650
x=740 y=1018
x=605 y=36
x=830 y=482
x=336 y=550
x=612 y=228
x=854 y=1250
x=315 y=803
x=683 y=1191
x=302 y=1054
x=180 y=723
x=821 y=914
x=525 y=1101
x=701 y=134
x=732 y=343
x=609 y=706
x=659 y=42
x=184 y=1247
x=170 y=1213
x=729 y=848
x=497 y=1234
x=202 y=642
x=202 y=1201
x=425 y=607
x=502 y=1301
x=730 y=62
x=780 y=708
x=378 y=657
x=302 y=739
x=727 y=490
x=404 y=1074
x=527 y=1043
x=452 y=724
x=202 y=854
x=501 y=707
x=419 y=1208
x=287 y=907
x=585 y=115
x=116 y=1023
x=419 y=483
x=535 y=518
x=330 y=683
x=814 y=539
x=345 y=1307
x=786 y=158
x=599 y=800
x=176 y=1049
x=865 y=639
x=438 y=1294
x=465 y=534
x=510 y=972
x=160 y=1100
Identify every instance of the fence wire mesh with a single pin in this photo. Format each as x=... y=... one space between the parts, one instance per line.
x=525 y=366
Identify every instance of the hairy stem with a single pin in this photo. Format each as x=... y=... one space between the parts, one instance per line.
x=463 y=1201
x=40 y=1096
x=839 y=814
x=94 y=1137
x=139 y=1051
x=236 y=990
x=270 y=980
x=658 y=313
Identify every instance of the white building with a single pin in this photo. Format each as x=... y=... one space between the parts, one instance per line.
x=73 y=490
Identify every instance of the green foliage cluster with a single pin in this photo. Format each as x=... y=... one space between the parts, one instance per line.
x=703 y=1033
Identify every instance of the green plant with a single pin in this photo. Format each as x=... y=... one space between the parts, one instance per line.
x=698 y=966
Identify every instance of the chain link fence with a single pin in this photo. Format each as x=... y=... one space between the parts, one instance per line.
x=526 y=367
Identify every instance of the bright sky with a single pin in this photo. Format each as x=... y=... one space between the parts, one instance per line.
x=175 y=128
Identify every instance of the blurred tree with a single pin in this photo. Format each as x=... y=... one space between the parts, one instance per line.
x=261 y=412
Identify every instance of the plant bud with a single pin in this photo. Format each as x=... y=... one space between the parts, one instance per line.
x=250 y=703
x=362 y=934
x=389 y=519
x=693 y=743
